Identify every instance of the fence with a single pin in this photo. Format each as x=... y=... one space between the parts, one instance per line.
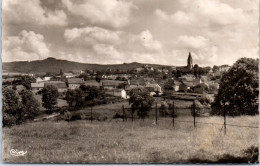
x=125 y=113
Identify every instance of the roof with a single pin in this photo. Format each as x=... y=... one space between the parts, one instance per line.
x=137 y=82
x=152 y=85
x=142 y=81
x=57 y=84
x=203 y=85
x=136 y=87
x=68 y=74
x=149 y=80
x=186 y=78
x=111 y=82
x=176 y=82
x=37 y=85
x=91 y=83
x=76 y=81
x=188 y=84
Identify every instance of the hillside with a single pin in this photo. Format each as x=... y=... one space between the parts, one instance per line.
x=54 y=65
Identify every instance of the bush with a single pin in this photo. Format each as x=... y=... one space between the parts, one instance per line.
x=206 y=100
x=163 y=110
x=9 y=120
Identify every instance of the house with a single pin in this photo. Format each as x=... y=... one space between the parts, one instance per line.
x=47 y=78
x=142 y=81
x=111 y=77
x=197 y=81
x=224 y=68
x=111 y=84
x=154 y=87
x=165 y=71
x=201 y=88
x=129 y=88
x=60 y=85
x=117 y=92
x=37 y=86
x=173 y=68
x=185 y=86
x=213 y=86
x=139 y=69
x=92 y=83
x=186 y=78
x=75 y=82
x=68 y=75
x=39 y=79
x=204 y=78
x=176 y=85
x=149 y=81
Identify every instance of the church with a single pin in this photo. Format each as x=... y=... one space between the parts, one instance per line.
x=189 y=62
x=189 y=66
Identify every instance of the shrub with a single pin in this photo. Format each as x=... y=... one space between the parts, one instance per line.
x=163 y=110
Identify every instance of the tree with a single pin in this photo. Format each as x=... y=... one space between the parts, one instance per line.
x=11 y=107
x=215 y=68
x=30 y=106
x=79 y=98
x=50 y=95
x=98 y=78
x=26 y=81
x=169 y=84
x=238 y=91
x=141 y=101
x=61 y=72
x=91 y=92
x=70 y=97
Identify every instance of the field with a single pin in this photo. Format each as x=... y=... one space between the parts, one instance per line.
x=115 y=141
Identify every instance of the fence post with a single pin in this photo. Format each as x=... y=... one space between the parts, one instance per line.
x=91 y=113
x=123 y=112
x=173 y=113
x=156 y=113
x=142 y=110
x=194 y=112
x=132 y=114
x=225 y=129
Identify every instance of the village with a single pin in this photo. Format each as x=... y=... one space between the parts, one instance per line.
x=173 y=81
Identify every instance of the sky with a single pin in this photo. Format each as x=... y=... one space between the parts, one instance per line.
x=163 y=32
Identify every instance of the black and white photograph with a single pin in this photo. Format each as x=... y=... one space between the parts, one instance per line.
x=130 y=81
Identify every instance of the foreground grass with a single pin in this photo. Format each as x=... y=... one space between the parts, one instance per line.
x=138 y=142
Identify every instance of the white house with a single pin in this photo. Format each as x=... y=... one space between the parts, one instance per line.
x=46 y=78
x=117 y=92
x=39 y=79
x=37 y=86
x=68 y=75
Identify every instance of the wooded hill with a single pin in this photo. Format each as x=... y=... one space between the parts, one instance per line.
x=54 y=65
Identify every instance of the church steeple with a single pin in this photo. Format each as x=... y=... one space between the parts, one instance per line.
x=189 y=62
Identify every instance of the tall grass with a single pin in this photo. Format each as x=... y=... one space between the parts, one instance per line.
x=138 y=142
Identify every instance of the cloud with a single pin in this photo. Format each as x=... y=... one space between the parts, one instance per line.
x=27 y=45
x=204 y=13
x=179 y=18
x=16 y=12
x=91 y=36
x=113 y=12
x=107 y=52
x=148 y=41
x=192 y=42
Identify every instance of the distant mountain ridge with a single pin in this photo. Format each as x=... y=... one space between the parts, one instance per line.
x=54 y=65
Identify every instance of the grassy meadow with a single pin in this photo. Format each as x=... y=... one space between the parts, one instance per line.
x=115 y=141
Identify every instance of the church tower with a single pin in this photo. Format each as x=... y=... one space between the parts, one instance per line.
x=189 y=62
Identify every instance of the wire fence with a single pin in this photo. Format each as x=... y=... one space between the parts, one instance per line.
x=126 y=113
